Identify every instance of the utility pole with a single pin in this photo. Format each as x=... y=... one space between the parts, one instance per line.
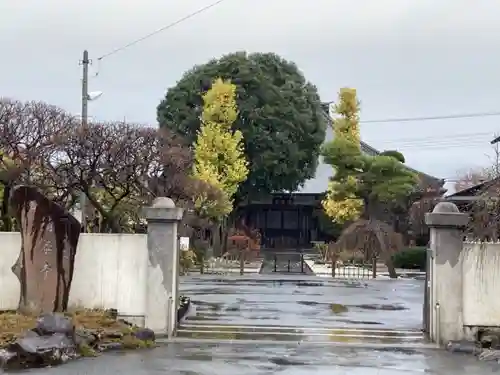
x=85 y=101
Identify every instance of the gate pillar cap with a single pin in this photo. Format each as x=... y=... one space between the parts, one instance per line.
x=163 y=202
x=447 y=215
x=163 y=209
x=445 y=207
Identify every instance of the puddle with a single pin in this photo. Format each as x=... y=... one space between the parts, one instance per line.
x=338 y=308
x=215 y=306
x=309 y=303
x=305 y=292
x=304 y=283
x=396 y=307
x=287 y=362
x=358 y=322
x=203 y=317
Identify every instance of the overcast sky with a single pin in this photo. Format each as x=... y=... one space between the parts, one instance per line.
x=407 y=58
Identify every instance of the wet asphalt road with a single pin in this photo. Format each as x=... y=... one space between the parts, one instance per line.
x=305 y=301
x=257 y=359
x=237 y=326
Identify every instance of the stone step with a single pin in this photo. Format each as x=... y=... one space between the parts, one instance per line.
x=294 y=333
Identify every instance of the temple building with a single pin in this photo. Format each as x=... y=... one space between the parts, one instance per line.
x=296 y=220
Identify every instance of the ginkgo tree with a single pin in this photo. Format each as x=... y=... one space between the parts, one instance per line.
x=361 y=184
x=219 y=157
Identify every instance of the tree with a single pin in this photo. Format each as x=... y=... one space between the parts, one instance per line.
x=280 y=117
x=218 y=151
x=27 y=131
x=484 y=210
x=120 y=167
x=471 y=177
x=362 y=184
x=109 y=163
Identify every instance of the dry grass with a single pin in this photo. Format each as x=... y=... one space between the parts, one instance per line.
x=14 y=324
x=97 y=319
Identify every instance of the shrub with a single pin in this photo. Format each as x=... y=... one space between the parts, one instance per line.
x=413 y=258
x=187 y=259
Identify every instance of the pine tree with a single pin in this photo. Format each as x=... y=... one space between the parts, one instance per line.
x=362 y=184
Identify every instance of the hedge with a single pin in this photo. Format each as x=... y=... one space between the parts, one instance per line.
x=413 y=258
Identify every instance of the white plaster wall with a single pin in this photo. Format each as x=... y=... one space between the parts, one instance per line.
x=481 y=273
x=10 y=289
x=110 y=272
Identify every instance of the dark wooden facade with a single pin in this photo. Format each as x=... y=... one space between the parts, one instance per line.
x=285 y=221
x=292 y=220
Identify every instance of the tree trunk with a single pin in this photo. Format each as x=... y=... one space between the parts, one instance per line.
x=228 y=223
x=242 y=262
x=223 y=236
x=216 y=234
x=108 y=218
x=369 y=213
x=390 y=267
x=6 y=217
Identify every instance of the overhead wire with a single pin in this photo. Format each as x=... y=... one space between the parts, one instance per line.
x=423 y=143
x=426 y=138
x=467 y=140
x=433 y=118
x=438 y=143
x=160 y=30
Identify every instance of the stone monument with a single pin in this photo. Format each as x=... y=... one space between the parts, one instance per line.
x=49 y=237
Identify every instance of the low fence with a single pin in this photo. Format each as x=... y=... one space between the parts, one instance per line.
x=355 y=271
x=340 y=269
x=227 y=266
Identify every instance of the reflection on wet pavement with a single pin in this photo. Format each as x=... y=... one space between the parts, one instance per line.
x=291 y=326
x=305 y=302
x=279 y=358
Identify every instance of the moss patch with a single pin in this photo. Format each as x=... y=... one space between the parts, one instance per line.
x=337 y=308
x=100 y=328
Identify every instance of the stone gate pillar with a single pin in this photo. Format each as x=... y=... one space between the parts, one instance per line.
x=162 y=290
x=445 y=296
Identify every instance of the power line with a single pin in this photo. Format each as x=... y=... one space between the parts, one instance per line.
x=415 y=144
x=466 y=136
x=437 y=142
x=442 y=146
x=432 y=118
x=170 y=25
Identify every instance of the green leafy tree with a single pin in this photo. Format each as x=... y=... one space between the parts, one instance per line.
x=361 y=185
x=280 y=117
x=218 y=151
